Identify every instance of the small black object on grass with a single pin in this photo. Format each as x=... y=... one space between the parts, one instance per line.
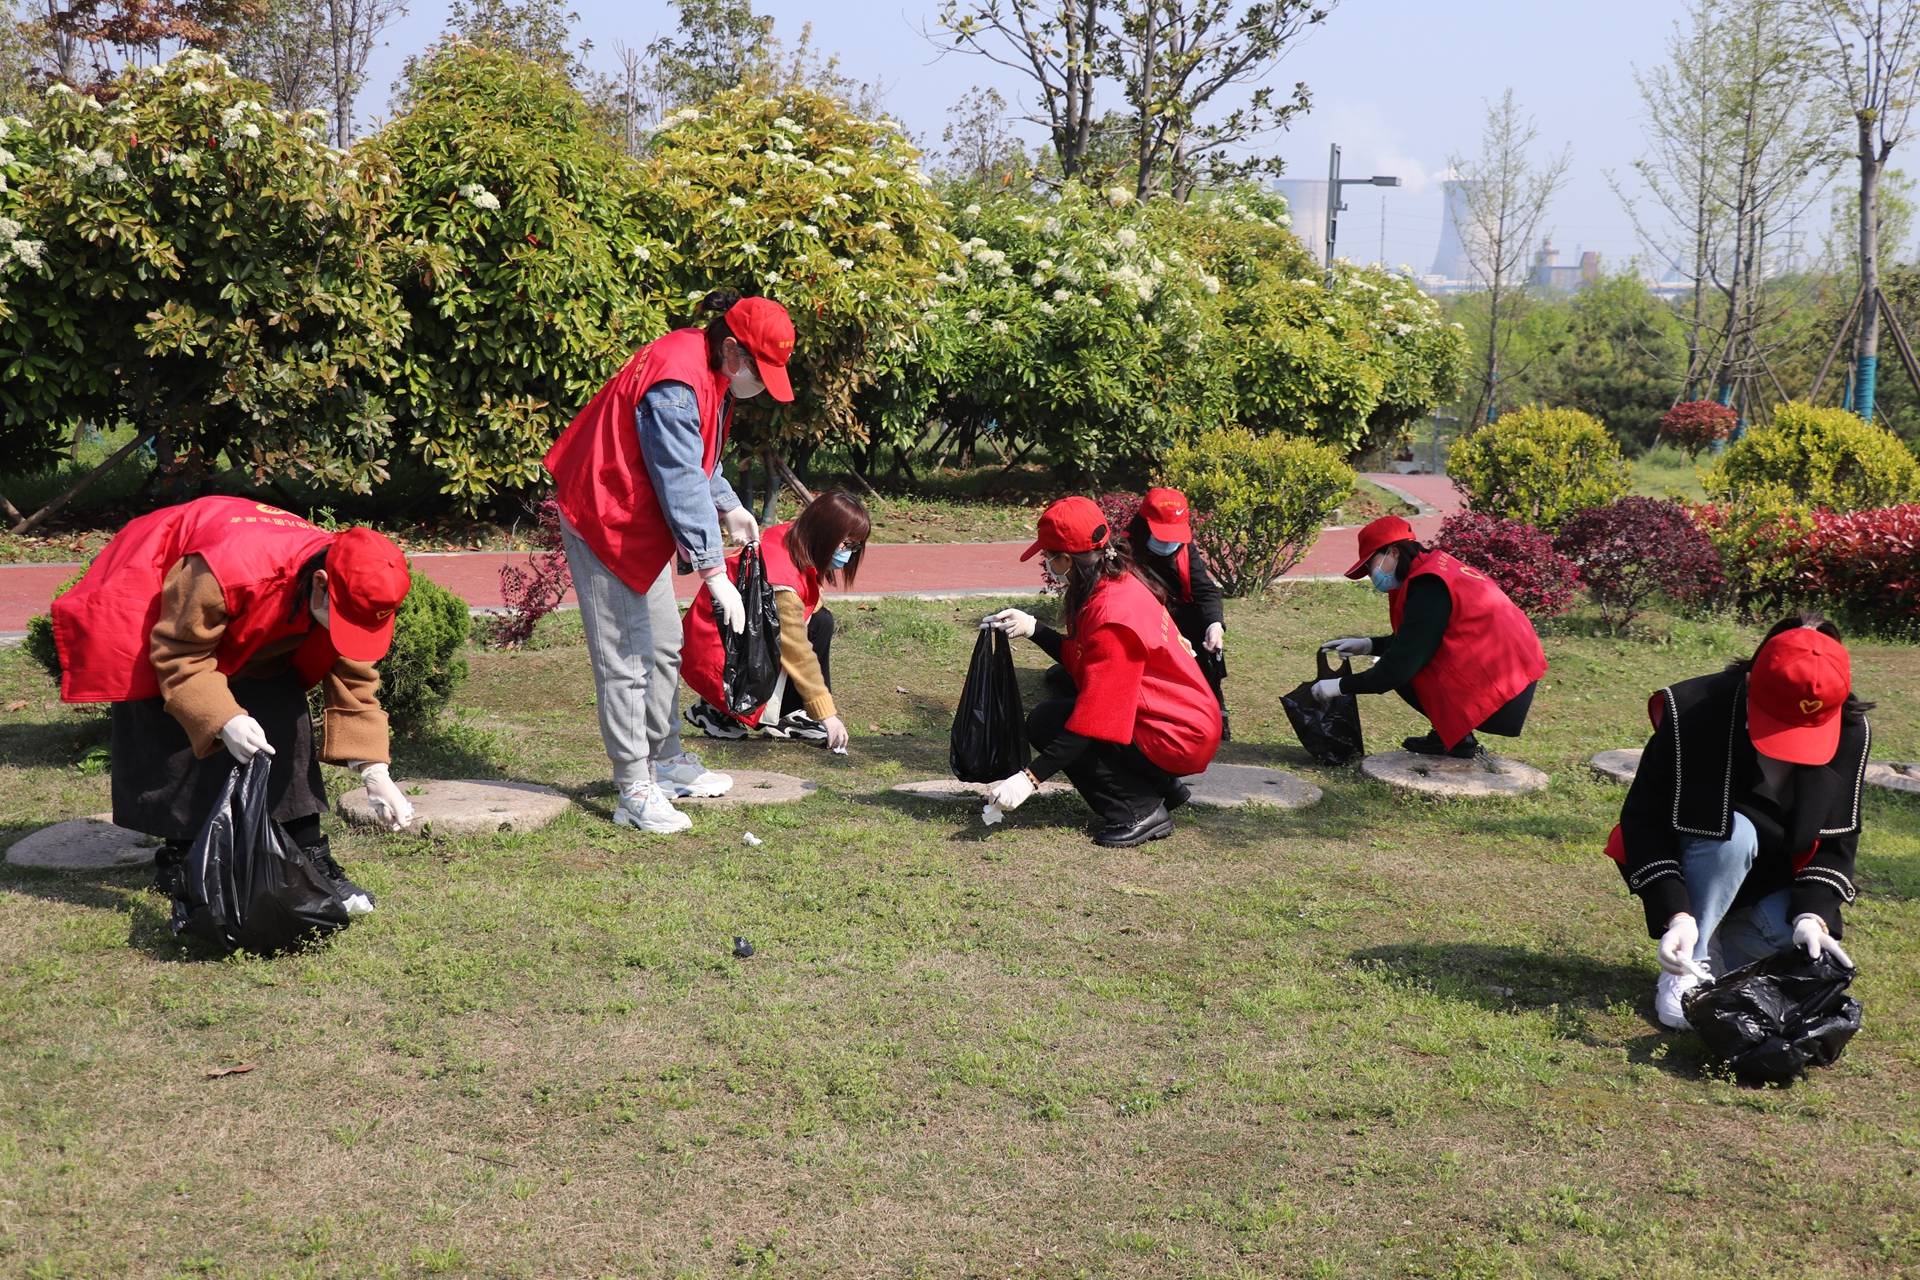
x=741 y=947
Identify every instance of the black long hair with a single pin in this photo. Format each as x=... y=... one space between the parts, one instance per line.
x=303 y=580
x=715 y=306
x=1091 y=568
x=1855 y=708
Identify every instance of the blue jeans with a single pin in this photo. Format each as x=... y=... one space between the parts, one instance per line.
x=1714 y=871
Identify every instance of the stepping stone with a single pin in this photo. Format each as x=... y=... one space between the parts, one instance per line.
x=464 y=808
x=84 y=844
x=1618 y=766
x=954 y=789
x=754 y=786
x=1228 y=786
x=1443 y=776
x=1895 y=777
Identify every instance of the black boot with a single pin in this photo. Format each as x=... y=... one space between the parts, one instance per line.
x=1429 y=744
x=1157 y=825
x=169 y=868
x=359 y=901
x=1178 y=794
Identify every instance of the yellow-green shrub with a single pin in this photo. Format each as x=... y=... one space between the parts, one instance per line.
x=1825 y=458
x=1258 y=501
x=1539 y=465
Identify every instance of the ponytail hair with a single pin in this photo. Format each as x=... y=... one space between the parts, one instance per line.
x=715 y=307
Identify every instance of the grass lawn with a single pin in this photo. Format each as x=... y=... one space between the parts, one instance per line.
x=1667 y=472
x=1384 y=1036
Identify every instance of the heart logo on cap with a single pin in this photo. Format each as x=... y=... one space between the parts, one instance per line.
x=1811 y=706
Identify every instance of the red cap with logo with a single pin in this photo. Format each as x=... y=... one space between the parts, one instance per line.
x=1165 y=511
x=1799 y=682
x=1383 y=532
x=764 y=328
x=367 y=579
x=1071 y=525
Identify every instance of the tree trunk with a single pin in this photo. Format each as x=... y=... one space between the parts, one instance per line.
x=1867 y=351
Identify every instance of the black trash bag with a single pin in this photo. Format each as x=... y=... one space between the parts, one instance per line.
x=245 y=885
x=989 y=727
x=752 y=666
x=1330 y=730
x=1776 y=1017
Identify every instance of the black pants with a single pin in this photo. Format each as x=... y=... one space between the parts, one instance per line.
x=1118 y=782
x=1193 y=625
x=1506 y=722
x=820 y=636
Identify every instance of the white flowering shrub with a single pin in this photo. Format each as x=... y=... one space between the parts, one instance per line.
x=541 y=265
x=189 y=260
x=789 y=194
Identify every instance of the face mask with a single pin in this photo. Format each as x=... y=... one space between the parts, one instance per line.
x=842 y=558
x=1160 y=548
x=1383 y=580
x=746 y=384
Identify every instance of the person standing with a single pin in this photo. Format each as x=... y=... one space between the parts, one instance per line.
x=205 y=624
x=637 y=478
x=1161 y=537
x=1141 y=717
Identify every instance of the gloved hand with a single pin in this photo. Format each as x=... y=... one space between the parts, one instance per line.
x=1810 y=931
x=393 y=809
x=726 y=598
x=1677 y=944
x=244 y=738
x=836 y=733
x=1216 y=637
x=1350 y=646
x=1326 y=690
x=1012 y=792
x=740 y=526
x=1012 y=621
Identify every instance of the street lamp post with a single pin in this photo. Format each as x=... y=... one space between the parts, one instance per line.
x=1335 y=204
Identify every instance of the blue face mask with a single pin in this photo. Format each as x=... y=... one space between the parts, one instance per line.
x=1383 y=580
x=842 y=558
x=1160 y=548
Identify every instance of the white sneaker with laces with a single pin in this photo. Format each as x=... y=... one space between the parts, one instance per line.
x=684 y=775
x=1667 y=994
x=648 y=809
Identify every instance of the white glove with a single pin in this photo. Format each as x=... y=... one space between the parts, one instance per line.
x=1350 y=647
x=1677 y=944
x=1012 y=621
x=244 y=738
x=740 y=526
x=1810 y=931
x=836 y=733
x=1216 y=637
x=1327 y=690
x=1010 y=793
x=383 y=796
x=726 y=598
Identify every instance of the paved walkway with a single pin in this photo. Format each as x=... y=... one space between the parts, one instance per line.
x=929 y=569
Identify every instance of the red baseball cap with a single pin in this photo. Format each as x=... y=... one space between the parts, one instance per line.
x=1383 y=532
x=1799 y=682
x=367 y=578
x=764 y=328
x=1072 y=525
x=1165 y=511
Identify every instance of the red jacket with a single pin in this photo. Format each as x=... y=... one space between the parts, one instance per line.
x=1138 y=682
x=702 y=660
x=1487 y=656
x=600 y=479
x=104 y=626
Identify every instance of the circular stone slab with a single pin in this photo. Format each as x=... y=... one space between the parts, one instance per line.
x=84 y=844
x=954 y=789
x=1618 y=766
x=754 y=786
x=1228 y=786
x=465 y=808
x=1895 y=777
x=1443 y=776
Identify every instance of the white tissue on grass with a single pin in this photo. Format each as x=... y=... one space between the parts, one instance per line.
x=839 y=751
x=751 y=840
x=993 y=814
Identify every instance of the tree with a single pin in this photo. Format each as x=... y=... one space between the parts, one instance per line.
x=91 y=39
x=979 y=145
x=1060 y=45
x=1872 y=61
x=538 y=31
x=352 y=29
x=285 y=48
x=1506 y=197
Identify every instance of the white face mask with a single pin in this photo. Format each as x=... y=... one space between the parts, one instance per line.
x=745 y=382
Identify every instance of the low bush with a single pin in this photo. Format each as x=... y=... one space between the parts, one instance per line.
x=1517 y=556
x=1697 y=425
x=1635 y=549
x=427 y=661
x=1539 y=465
x=533 y=592
x=1759 y=537
x=1265 y=499
x=1865 y=566
x=1824 y=458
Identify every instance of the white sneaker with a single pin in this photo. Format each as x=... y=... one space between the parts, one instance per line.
x=684 y=775
x=1667 y=995
x=649 y=809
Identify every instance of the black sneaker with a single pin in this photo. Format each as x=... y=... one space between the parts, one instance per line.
x=359 y=902
x=799 y=727
x=170 y=869
x=1429 y=744
x=714 y=722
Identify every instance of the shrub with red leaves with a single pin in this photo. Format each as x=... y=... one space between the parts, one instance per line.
x=1517 y=556
x=1866 y=565
x=1634 y=549
x=1697 y=425
x=534 y=592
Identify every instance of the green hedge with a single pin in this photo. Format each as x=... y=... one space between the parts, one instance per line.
x=1539 y=465
x=1265 y=499
x=1824 y=458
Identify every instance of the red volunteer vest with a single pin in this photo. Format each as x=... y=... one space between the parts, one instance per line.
x=104 y=626
x=600 y=480
x=1488 y=654
x=702 y=660
x=1176 y=723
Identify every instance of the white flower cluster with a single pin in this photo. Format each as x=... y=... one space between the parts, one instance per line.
x=479 y=197
x=791 y=126
x=13 y=247
x=685 y=115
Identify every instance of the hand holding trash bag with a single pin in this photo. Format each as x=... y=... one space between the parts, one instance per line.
x=243 y=737
x=1350 y=646
x=1327 y=690
x=1810 y=934
x=1326 y=721
x=741 y=526
x=1012 y=622
x=750 y=662
x=726 y=600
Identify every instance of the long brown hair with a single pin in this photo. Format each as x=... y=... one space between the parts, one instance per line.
x=833 y=517
x=1091 y=568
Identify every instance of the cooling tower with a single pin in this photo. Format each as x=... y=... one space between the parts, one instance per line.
x=1450 y=261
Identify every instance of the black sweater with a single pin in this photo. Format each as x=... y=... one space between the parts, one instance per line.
x=1403 y=654
x=1194 y=614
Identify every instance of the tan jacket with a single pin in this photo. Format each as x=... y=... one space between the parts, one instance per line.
x=798 y=659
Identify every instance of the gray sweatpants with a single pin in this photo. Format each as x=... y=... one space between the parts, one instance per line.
x=633 y=639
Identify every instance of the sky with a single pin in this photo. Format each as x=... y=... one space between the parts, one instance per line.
x=1400 y=85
